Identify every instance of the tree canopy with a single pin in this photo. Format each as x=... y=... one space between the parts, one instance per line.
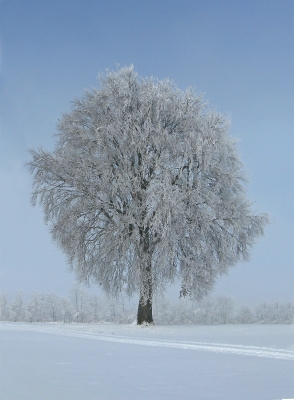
x=145 y=187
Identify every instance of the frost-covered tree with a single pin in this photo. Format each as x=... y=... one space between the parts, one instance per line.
x=245 y=316
x=224 y=309
x=18 y=308
x=4 y=306
x=67 y=309
x=53 y=305
x=145 y=187
x=36 y=308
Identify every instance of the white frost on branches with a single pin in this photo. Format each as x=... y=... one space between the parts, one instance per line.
x=145 y=187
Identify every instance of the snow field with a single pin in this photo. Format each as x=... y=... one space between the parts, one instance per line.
x=75 y=361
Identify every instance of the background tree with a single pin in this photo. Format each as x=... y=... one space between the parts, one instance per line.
x=36 y=308
x=67 y=310
x=53 y=304
x=224 y=309
x=245 y=316
x=145 y=187
x=4 y=306
x=17 y=308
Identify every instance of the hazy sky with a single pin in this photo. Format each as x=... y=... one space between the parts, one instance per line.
x=240 y=53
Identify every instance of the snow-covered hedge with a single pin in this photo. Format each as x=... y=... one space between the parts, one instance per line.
x=83 y=307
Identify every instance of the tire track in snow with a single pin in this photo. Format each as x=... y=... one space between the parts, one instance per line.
x=223 y=348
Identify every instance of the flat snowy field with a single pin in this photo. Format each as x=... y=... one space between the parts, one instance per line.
x=87 y=362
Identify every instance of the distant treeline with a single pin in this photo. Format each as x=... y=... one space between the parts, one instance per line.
x=83 y=307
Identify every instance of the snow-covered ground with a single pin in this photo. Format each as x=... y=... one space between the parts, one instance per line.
x=104 y=361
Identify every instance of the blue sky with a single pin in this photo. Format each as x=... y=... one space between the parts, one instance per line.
x=239 y=53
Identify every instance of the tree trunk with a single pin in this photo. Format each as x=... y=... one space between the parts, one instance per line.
x=146 y=290
x=145 y=312
x=146 y=293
